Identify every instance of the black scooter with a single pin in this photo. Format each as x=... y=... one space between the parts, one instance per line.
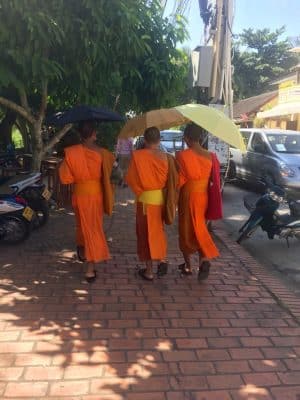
x=264 y=214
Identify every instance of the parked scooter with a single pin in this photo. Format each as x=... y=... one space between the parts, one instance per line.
x=15 y=219
x=264 y=214
x=30 y=188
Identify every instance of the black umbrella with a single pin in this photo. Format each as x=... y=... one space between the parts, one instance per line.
x=83 y=113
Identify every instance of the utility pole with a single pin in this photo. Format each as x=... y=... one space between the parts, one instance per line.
x=221 y=83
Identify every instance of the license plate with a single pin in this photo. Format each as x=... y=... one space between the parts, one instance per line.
x=28 y=213
x=46 y=194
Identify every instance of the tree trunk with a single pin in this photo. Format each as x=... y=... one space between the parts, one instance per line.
x=37 y=146
x=6 y=126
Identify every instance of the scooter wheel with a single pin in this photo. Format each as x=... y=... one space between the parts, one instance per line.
x=16 y=231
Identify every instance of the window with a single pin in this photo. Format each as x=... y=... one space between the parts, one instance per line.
x=258 y=145
x=282 y=143
x=246 y=136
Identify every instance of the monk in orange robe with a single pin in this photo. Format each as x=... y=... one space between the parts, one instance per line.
x=88 y=167
x=148 y=175
x=195 y=167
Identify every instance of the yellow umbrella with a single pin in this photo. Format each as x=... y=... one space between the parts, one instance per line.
x=211 y=119
x=215 y=122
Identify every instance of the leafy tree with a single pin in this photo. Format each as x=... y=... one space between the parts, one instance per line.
x=259 y=57
x=57 y=53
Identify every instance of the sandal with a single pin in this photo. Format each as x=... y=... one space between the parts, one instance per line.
x=203 y=272
x=80 y=251
x=91 y=279
x=184 y=271
x=142 y=274
x=162 y=269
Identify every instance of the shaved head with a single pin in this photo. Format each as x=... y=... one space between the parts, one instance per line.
x=152 y=135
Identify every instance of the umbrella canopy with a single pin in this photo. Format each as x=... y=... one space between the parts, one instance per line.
x=209 y=118
x=83 y=113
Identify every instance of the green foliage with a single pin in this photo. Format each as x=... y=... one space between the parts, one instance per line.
x=259 y=58
x=90 y=52
x=17 y=138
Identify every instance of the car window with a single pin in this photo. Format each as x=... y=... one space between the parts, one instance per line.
x=282 y=143
x=246 y=136
x=258 y=145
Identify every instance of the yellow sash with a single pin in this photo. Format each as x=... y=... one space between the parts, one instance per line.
x=153 y=197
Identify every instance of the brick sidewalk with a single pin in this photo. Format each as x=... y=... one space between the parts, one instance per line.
x=236 y=336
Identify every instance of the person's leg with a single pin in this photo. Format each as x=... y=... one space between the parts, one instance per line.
x=149 y=269
x=204 y=267
x=90 y=271
x=186 y=268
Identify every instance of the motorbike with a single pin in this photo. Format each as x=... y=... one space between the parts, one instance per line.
x=265 y=213
x=15 y=219
x=30 y=188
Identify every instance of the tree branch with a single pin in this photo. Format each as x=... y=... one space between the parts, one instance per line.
x=24 y=100
x=18 y=109
x=60 y=134
x=44 y=100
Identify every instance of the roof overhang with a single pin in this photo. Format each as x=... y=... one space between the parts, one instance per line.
x=280 y=110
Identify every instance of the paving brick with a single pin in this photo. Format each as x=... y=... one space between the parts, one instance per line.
x=290 y=393
x=212 y=395
x=290 y=378
x=279 y=352
x=10 y=374
x=22 y=389
x=146 y=396
x=196 y=368
x=179 y=355
x=267 y=365
x=255 y=341
x=261 y=379
x=245 y=354
x=232 y=366
x=69 y=388
x=250 y=392
x=213 y=355
x=224 y=381
x=43 y=373
x=191 y=343
x=222 y=343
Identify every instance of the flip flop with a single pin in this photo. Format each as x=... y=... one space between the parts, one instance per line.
x=141 y=273
x=162 y=269
x=91 y=279
x=183 y=270
x=203 y=272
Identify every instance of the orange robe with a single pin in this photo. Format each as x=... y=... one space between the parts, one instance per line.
x=148 y=172
x=194 y=176
x=87 y=170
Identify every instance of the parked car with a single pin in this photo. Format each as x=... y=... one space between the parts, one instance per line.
x=172 y=140
x=272 y=157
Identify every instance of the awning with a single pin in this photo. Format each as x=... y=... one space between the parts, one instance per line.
x=281 y=109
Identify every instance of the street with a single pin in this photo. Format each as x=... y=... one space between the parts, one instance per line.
x=274 y=254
